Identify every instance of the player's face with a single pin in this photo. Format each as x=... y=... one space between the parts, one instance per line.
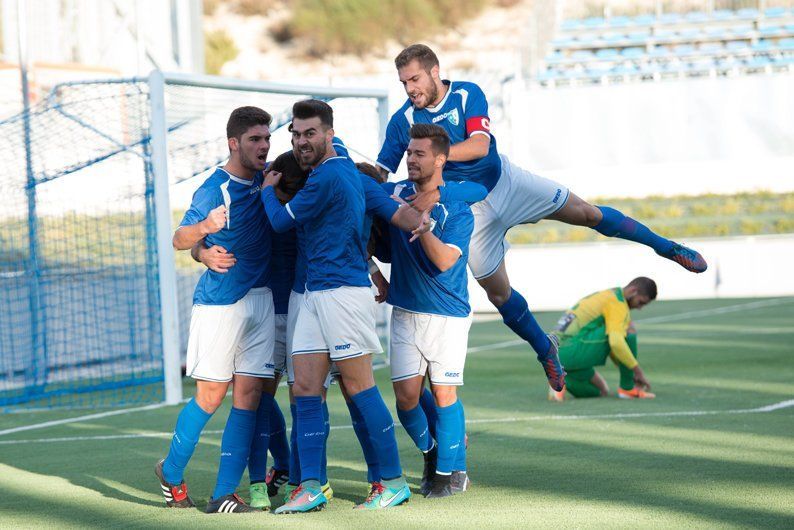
x=422 y=163
x=310 y=140
x=252 y=147
x=638 y=301
x=419 y=84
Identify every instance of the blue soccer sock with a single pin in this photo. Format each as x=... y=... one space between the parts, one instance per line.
x=294 y=459
x=189 y=424
x=279 y=445
x=516 y=314
x=235 y=448
x=257 y=460
x=311 y=435
x=460 y=458
x=428 y=404
x=360 y=428
x=324 y=461
x=615 y=224
x=380 y=426
x=414 y=422
x=449 y=431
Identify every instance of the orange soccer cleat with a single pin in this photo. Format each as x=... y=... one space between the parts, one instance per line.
x=635 y=393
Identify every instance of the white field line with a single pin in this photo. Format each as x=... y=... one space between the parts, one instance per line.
x=495 y=346
x=571 y=417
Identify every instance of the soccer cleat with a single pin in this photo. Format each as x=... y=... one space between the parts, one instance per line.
x=431 y=458
x=689 y=259
x=289 y=489
x=259 y=496
x=635 y=393
x=275 y=479
x=442 y=487
x=229 y=504
x=386 y=497
x=555 y=373
x=328 y=491
x=557 y=396
x=175 y=496
x=460 y=482
x=308 y=497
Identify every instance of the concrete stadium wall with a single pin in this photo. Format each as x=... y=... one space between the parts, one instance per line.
x=555 y=276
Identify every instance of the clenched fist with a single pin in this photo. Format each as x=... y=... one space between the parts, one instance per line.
x=216 y=220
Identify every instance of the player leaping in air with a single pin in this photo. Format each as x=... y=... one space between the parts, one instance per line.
x=515 y=196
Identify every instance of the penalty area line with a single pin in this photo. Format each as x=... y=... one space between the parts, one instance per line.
x=558 y=417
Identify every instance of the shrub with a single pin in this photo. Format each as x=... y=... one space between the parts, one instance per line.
x=219 y=49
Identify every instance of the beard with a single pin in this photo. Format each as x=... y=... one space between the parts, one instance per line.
x=251 y=164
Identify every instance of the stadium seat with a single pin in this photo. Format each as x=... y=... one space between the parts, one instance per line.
x=774 y=12
x=624 y=69
x=763 y=45
x=607 y=53
x=670 y=18
x=723 y=14
x=638 y=37
x=747 y=13
x=644 y=20
x=696 y=16
x=716 y=33
x=743 y=31
x=683 y=49
x=659 y=51
x=786 y=44
x=582 y=55
x=593 y=22
x=554 y=57
x=711 y=47
x=737 y=46
x=619 y=22
x=611 y=37
x=563 y=41
x=757 y=61
x=771 y=31
x=790 y=28
x=690 y=33
x=633 y=53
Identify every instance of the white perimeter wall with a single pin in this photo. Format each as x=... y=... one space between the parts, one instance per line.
x=556 y=276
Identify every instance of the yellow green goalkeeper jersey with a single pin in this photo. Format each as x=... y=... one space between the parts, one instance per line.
x=608 y=308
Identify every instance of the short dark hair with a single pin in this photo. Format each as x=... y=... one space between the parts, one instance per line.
x=439 y=139
x=644 y=285
x=314 y=108
x=419 y=52
x=243 y=118
x=293 y=177
x=371 y=171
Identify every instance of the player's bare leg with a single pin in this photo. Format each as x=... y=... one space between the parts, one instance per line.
x=518 y=317
x=611 y=223
x=600 y=383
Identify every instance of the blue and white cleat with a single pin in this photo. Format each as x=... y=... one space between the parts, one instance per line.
x=689 y=259
x=308 y=497
x=388 y=494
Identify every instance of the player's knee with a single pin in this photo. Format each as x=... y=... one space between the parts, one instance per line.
x=445 y=395
x=498 y=296
x=406 y=401
x=209 y=401
x=303 y=388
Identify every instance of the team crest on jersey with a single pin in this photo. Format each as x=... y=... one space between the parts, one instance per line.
x=452 y=116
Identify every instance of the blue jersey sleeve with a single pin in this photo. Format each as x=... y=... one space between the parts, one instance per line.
x=395 y=143
x=378 y=201
x=280 y=218
x=457 y=230
x=311 y=200
x=340 y=147
x=468 y=192
x=475 y=111
x=205 y=199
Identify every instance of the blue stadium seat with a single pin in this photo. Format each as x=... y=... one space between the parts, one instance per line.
x=771 y=31
x=644 y=20
x=588 y=38
x=665 y=34
x=784 y=60
x=611 y=36
x=790 y=27
x=563 y=41
x=723 y=14
x=747 y=13
x=716 y=33
x=624 y=69
x=696 y=16
x=683 y=49
x=737 y=46
x=758 y=61
x=619 y=22
x=593 y=22
x=774 y=12
x=607 y=53
x=726 y=63
x=786 y=44
x=554 y=58
x=763 y=45
x=638 y=37
x=743 y=31
x=670 y=18
x=582 y=55
x=690 y=33
x=711 y=47
x=659 y=51
x=633 y=53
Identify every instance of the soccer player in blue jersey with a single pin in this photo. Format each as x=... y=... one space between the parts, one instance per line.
x=516 y=196
x=431 y=318
x=336 y=322
x=231 y=326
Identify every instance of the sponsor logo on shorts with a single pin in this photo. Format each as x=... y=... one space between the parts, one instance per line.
x=268 y=365
x=557 y=196
x=341 y=347
x=451 y=374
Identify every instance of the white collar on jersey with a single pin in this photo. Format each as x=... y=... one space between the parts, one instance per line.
x=443 y=101
x=237 y=179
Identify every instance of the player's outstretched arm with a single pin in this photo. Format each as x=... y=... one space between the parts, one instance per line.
x=442 y=255
x=188 y=235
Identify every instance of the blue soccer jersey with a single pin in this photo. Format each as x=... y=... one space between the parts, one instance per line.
x=330 y=210
x=282 y=268
x=462 y=113
x=416 y=283
x=246 y=235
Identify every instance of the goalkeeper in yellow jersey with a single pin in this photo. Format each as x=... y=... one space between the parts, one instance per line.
x=597 y=327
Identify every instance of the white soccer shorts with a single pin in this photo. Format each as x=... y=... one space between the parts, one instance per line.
x=280 y=347
x=340 y=322
x=432 y=344
x=295 y=303
x=232 y=339
x=520 y=197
